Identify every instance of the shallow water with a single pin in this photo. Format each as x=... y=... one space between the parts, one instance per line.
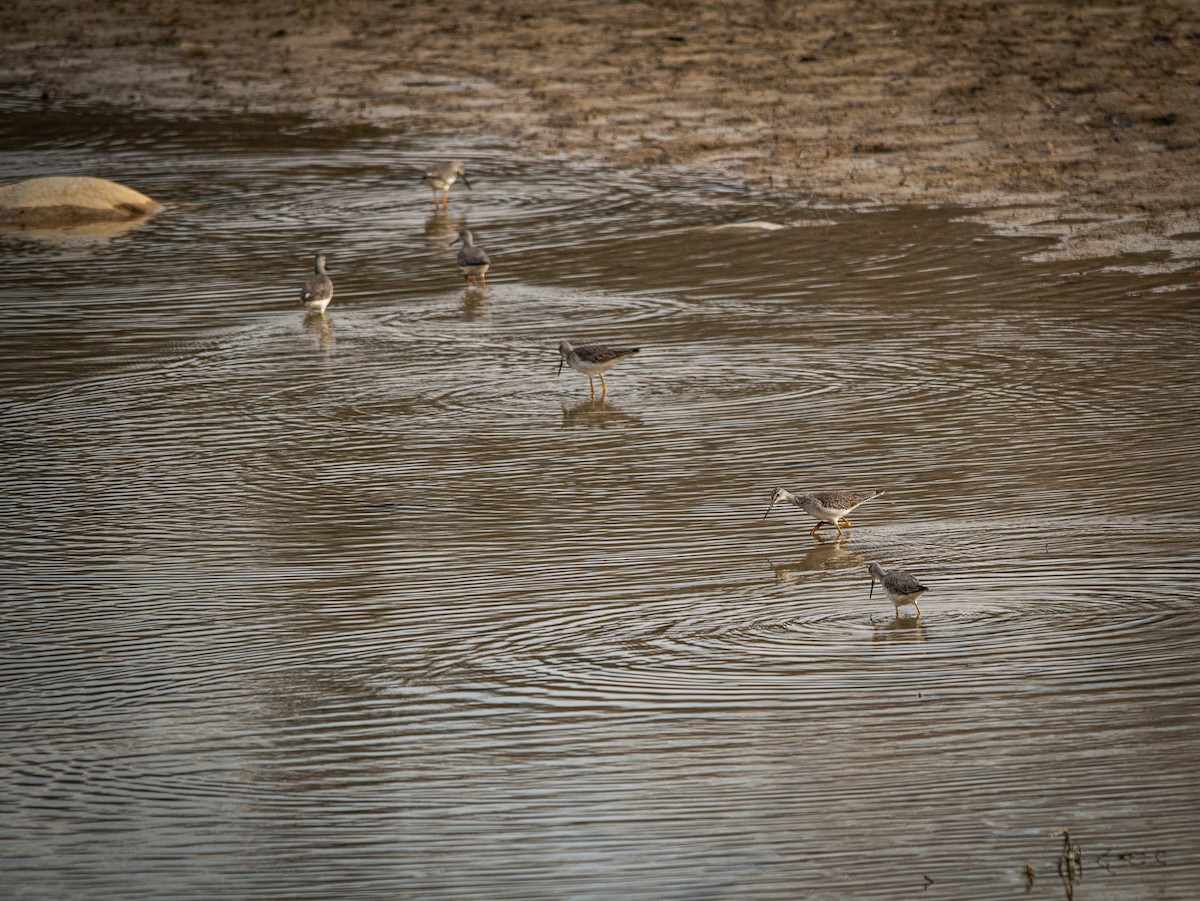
x=374 y=605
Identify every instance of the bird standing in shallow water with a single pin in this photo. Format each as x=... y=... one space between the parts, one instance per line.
x=440 y=178
x=473 y=262
x=593 y=359
x=901 y=586
x=827 y=506
x=318 y=287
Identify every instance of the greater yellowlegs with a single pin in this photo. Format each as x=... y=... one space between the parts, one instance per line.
x=901 y=586
x=441 y=177
x=827 y=506
x=593 y=360
x=473 y=262
x=318 y=287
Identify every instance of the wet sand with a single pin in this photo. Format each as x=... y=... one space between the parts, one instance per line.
x=1079 y=123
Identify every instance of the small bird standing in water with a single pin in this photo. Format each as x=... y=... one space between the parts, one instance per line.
x=472 y=261
x=593 y=359
x=318 y=287
x=441 y=177
x=827 y=506
x=901 y=586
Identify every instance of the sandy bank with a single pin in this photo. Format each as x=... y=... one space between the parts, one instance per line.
x=1086 y=116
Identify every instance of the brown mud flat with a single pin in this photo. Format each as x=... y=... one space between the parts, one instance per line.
x=1080 y=121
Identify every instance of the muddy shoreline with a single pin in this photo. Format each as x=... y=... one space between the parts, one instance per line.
x=1081 y=123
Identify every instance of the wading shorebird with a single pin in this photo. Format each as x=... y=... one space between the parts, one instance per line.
x=440 y=178
x=901 y=586
x=827 y=506
x=473 y=262
x=593 y=360
x=318 y=287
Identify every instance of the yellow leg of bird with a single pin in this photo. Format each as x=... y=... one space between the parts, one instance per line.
x=918 y=606
x=483 y=279
x=816 y=529
x=839 y=528
x=467 y=279
x=592 y=386
x=603 y=387
x=846 y=521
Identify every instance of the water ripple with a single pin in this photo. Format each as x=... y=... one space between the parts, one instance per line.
x=324 y=603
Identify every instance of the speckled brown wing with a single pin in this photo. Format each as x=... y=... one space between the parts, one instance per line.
x=473 y=256
x=600 y=353
x=843 y=500
x=318 y=288
x=441 y=173
x=901 y=581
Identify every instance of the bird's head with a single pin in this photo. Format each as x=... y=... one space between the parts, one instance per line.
x=564 y=351
x=875 y=571
x=777 y=496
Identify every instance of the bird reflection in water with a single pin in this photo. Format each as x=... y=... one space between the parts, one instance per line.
x=598 y=413
x=476 y=304
x=441 y=226
x=826 y=554
x=907 y=628
x=319 y=329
